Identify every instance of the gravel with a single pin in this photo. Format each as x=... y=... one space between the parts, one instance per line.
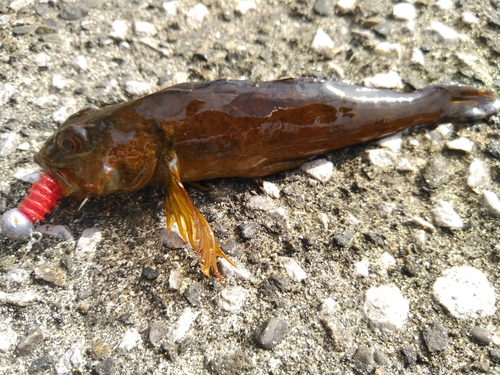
x=120 y=306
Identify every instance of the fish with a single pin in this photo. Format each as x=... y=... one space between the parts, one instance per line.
x=228 y=128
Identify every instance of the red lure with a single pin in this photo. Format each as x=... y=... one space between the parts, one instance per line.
x=43 y=195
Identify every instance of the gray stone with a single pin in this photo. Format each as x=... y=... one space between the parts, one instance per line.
x=271 y=333
x=435 y=338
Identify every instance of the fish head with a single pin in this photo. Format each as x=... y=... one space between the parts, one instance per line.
x=98 y=152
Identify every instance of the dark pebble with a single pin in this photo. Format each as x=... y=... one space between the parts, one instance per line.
x=232 y=248
x=194 y=294
x=233 y=364
x=127 y=319
x=493 y=149
x=73 y=13
x=41 y=364
x=380 y=358
x=105 y=368
x=49 y=26
x=343 y=239
x=410 y=268
x=150 y=273
x=157 y=332
x=363 y=360
x=279 y=282
x=324 y=7
x=23 y=30
x=383 y=28
x=375 y=238
x=248 y=230
x=170 y=350
x=28 y=343
x=481 y=336
x=271 y=333
x=410 y=355
x=435 y=174
x=42 y=9
x=495 y=355
x=435 y=337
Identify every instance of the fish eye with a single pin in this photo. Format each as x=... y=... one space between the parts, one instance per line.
x=72 y=143
x=68 y=145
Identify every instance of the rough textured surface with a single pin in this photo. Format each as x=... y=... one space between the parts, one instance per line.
x=58 y=56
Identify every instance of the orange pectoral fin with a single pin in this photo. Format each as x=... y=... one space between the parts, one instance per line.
x=192 y=224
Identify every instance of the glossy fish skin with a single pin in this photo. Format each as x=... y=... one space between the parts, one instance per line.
x=198 y=131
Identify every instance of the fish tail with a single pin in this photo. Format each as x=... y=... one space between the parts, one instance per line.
x=464 y=103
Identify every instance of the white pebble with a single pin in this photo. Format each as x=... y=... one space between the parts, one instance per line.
x=293 y=269
x=478 y=176
x=322 y=43
x=465 y=292
x=19 y=299
x=387 y=261
x=405 y=165
x=58 y=82
x=182 y=325
x=386 y=308
x=404 y=11
x=231 y=272
x=420 y=238
x=172 y=238
x=28 y=174
x=196 y=14
x=175 y=279
x=16 y=278
x=233 y=298
x=7 y=143
x=8 y=338
x=130 y=340
x=389 y=49
x=279 y=216
x=461 y=144
x=88 y=241
x=6 y=92
x=244 y=6
x=170 y=8
x=60 y=115
x=260 y=202
x=25 y=146
x=320 y=169
x=328 y=307
x=418 y=221
x=390 y=80
x=142 y=28
x=119 y=30
x=345 y=6
x=392 y=142
x=79 y=63
x=271 y=189
x=417 y=56
x=446 y=33
x=42 y=60
x=361 y=269
x=469 y=18
x=491 y=203
x=384 y=209
x=381 y=157
x=324 y=219
x=444 y=4
x=445 y=216
x=138 y=88
x=19 y=4
x=57 y=231
x=46 y=101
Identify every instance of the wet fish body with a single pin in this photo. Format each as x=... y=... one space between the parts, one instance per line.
x=199 y=131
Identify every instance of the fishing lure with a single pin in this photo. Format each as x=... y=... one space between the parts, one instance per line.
x=199 y=131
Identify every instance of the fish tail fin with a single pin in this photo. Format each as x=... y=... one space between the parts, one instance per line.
x=193 y=226
x=466 y=103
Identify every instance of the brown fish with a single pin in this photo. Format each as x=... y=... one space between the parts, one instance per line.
x=199 y=131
